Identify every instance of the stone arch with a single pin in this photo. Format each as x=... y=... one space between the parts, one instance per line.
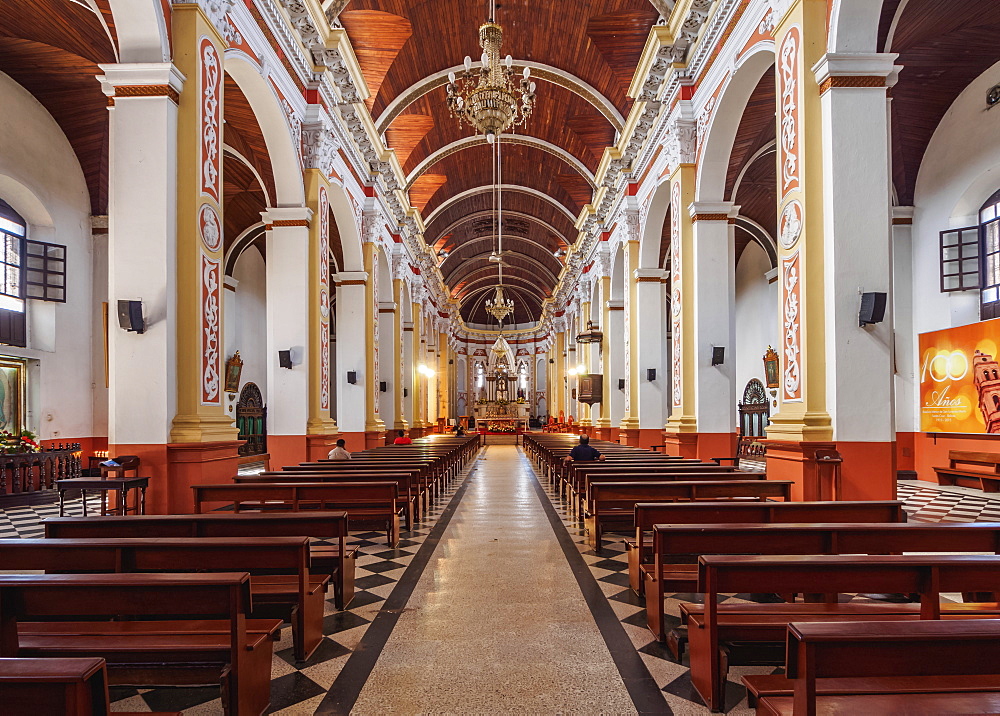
x=728 y=114
x=854 y=26
x=347 y=227
x=652 y=231
x=284 y=155
x=141 y=29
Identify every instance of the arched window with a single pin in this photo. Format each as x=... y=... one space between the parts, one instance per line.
x=989 y=252
x=12 y=233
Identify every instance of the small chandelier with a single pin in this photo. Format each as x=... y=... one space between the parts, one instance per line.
x=591 y=335
x=491 y=105
x=500 y=306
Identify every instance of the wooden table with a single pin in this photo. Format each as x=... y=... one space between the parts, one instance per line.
x=120 y=485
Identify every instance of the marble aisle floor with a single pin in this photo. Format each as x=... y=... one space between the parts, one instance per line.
x=496 y=622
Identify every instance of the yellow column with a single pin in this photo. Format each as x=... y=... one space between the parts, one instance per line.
x=418 y=380
x=318 y=199
x=559 y=382
x=397 y=357
x=586 y=410
x=374 y=427
x=680 y=434
x=444 y=377
x=630 y=421
x=198 y=49
x=603 y=424
x=800 y=37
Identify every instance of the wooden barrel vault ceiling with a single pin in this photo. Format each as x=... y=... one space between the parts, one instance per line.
x=589 y=52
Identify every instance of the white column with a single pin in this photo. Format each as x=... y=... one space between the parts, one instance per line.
x=907 y=395
x=387 y=361
x=615 y=332
x=857 y=243
x=652 y=317
x=142 y=251
x=350 y=350
x=287 y=272
x=714 y=326
x=408 y=385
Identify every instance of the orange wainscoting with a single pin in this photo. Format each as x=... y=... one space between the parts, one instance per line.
x=286 y=450
x=930 y=451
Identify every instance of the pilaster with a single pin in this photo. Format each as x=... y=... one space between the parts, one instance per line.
x=400 y=421
x=374 y=427
x=630 y=422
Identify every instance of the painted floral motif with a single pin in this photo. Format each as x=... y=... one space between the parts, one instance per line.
x=675 y=295
x=788 y=80
x=791 y=285
x=211 y=366
x=211 y=119
x=324 y=300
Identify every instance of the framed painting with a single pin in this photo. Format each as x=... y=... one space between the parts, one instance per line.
x=234 y=368
x=12 y=399
x=771 y=368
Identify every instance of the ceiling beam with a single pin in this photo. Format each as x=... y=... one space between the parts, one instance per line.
x=518 y=139
x=486 y=189
x=539 y=292
x=539 y=70
x=489 y=212
x=484 y=256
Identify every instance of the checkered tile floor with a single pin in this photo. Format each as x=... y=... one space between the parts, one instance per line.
x=25 y=522
x=299 y=688
x=609 y=566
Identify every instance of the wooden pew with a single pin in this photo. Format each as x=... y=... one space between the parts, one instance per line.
x=281 y=584
x=926 y=667
x=337 y=560
x=677 y=547
x=721 y=634
x=151 y=629
x=647 y=514
x=71 y=687
x=376 y=502
x=613 y=503
x=986 y=476
x=409 y=490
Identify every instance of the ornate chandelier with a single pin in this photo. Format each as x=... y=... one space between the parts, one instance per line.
x=491 y=104
x=500 y=306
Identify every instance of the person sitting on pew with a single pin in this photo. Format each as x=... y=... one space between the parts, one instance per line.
x=583 y=452
x=460 y=432
x=402 y=438
x=340 y=452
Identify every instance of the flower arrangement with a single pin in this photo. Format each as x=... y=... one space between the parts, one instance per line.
x=521 y=401
x=25 y=442
x=504 y=427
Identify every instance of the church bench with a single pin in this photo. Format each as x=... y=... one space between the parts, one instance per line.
x=677 y=547
x=409 y=490
x=577 y=474
x=280 y=584
x=613 y=503
x=724 y=634
x=70 y=687
x=371 y=502
x=986 y=476
x=151 y=629
x=337 y=560
x=885 y=667
x=647 y=514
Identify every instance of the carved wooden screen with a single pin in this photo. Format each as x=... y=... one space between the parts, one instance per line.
x=251 y=420
x=755 y=410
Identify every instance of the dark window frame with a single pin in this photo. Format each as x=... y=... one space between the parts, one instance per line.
x=968 y=244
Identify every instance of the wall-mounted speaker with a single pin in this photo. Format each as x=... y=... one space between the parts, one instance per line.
x=651 y=374
x=130 y=316
x=718 y=355
x=406 y=393
x=383 y=386
x=621 y=384
x=285 y=359
x=552 y=360
x=872 y=308
x=352 y=377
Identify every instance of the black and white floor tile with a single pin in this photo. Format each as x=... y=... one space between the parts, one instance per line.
x=26 y=522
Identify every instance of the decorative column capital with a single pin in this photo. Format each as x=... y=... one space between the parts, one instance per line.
x=215 y=10
x=681 y=144
x=319 y=147
x=650 y=275
x=713 y=211
x=285 y=216
x=351 y=278
x=857 y=70
x=141 y=79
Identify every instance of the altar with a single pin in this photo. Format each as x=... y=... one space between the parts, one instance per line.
x=501 y=400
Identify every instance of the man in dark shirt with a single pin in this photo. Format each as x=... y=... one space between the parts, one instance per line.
x=584 y=451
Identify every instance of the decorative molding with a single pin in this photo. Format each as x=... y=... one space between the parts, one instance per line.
x=790 y=224
x=851 y=82
x=147 y=91
x=211 y=363
x=279 y=223
x=215 y=11
x=791 y=289
x=319 y=148
x=788 y=102
x=210 y=91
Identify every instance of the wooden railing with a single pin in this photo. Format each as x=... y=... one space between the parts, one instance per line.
x=29 y=477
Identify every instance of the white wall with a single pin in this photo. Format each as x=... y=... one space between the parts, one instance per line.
x=42 y=179
x=960 y=170
x=756 y=315
x=246 y=319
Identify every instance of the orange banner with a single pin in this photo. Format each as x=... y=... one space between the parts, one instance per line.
x=960 y=379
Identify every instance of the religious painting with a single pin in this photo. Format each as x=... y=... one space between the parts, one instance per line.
x=960 y=379
x=12 y=377
x=771 y=367
x=234 y=368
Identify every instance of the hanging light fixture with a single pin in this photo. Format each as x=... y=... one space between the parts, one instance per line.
x=591 y=335
x=494 y=101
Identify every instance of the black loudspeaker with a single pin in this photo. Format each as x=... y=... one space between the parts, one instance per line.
x=406 y=393
x=718 y=355
x=621 y=384
x=651 y=374
x=352 y=377
x=872 y=308
x=383 y=386
x=552 y=360
x=130 y=316
x=285 y=359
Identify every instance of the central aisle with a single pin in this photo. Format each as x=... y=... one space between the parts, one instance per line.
x=496 y=621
